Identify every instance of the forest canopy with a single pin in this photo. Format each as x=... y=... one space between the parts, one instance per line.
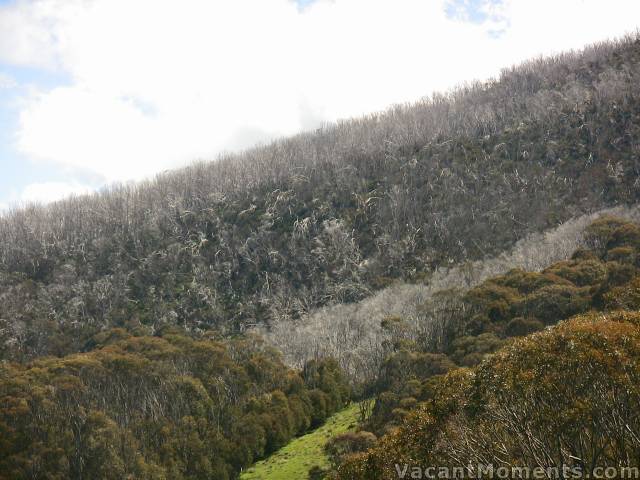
x=453 y=264
x=540 y=371
x=158 y=407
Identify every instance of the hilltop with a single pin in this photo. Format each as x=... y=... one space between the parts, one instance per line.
x=327 y=217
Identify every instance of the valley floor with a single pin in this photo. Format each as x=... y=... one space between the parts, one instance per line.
x=294 y=461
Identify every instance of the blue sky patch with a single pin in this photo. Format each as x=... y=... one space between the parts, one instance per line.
x=302 y=4
x=472 y=11
x=44 y=79
x=16 y=171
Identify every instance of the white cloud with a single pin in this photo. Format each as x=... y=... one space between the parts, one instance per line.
x=47 y=192
x=159 y=83
x=33 y=31
x=43 y=193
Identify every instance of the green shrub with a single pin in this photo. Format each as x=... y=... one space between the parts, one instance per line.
x=347 y=444
x=553 y=303
x=489 y=292
x=627 y=235
x=600 y=232
x=468 y=351
x=318 y=473
x=520 y=326
x=625 y=296
x=579 y=272
x=584 y=254
x=626 y=255
x=569 y=386
x=527 y=282
x=402 y=367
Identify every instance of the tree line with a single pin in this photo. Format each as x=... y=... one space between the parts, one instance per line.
x=327 y=217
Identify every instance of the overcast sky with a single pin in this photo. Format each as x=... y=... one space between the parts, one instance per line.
x=97 y=91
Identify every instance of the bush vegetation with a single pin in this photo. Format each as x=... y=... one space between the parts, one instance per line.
x=565 y=396
x=158 y=407
x=540 y=370
x=421 y=255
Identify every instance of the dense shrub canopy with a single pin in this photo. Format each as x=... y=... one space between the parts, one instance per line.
x=566 y=396
x=158 y=407
x=524 y=390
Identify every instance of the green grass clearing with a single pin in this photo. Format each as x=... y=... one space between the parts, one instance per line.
x=293 y=461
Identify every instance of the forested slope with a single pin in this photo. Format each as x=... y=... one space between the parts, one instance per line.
x=539 y=369
x=565 y=398
x=329 y=216
x=361 y=335
x=166 y=407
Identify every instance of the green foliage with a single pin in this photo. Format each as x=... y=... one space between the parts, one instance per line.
x=520 y=326
x=548 y=396
x=582 y=272
x=169 y=407
x=622 y=255
x=626 y=296
x=553 y=303
x=600 y=233
x=528 y=282
x=516 y=304
x=406 y=365
x=306 y=453
x=627 y=235
x=340 y=447
x=469 y=351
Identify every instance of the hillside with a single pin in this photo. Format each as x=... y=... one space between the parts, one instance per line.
x=540 y=369
x=466 y=268
x=563 y=398
x=361 y=335
x=166 y=407
x=327 y=217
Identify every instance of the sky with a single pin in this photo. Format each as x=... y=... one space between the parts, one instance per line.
x=100 y=91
